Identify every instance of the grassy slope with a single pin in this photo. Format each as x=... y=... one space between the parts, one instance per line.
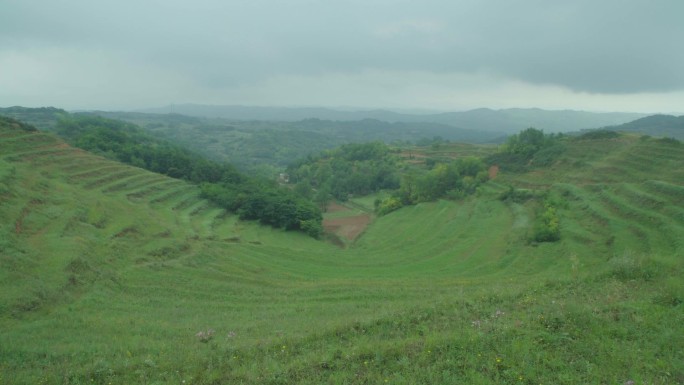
x=108 y=272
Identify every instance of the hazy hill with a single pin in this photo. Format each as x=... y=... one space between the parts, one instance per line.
x=655 y=125
x=268 y=144
x=276 y=113
x=516 y=119
x=483 y=119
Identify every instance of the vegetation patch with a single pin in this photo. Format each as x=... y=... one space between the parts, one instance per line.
x=527 y=149
x=351 y=170
x=599 y=134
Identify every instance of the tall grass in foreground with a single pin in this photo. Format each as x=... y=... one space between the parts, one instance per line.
x=618 y=326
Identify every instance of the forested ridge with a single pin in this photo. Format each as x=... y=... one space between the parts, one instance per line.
x=250 y=197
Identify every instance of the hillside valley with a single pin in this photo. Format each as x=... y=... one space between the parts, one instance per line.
x=113 y=274
x=341 y=192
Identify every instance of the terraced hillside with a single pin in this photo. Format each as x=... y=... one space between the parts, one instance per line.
x=111 y=274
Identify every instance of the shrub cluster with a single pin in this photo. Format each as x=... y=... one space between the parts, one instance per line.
x=547 y=228
x=269 y=204
x=453 y=180
x=599 y=134
x=530 y=147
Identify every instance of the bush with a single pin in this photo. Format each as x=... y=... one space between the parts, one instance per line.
x=547 y=228
x=311 y=227
x=599 y=134
x=517 y=195
x=388 y=205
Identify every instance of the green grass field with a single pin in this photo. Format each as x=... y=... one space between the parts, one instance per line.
x=109 y=273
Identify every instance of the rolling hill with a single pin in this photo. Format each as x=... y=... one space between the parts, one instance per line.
x=112 y=274
x=655 y=125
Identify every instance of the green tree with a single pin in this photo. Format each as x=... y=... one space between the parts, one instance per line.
x=526 y=143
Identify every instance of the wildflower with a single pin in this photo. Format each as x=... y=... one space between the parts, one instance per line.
x=231 y=334
x=498 y=313
x=476 y=324
x=205 y=336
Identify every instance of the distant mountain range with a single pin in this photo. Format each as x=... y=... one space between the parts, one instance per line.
x=482 y=119
x=479 y=125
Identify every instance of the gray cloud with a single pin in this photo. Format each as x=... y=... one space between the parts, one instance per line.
x=606 y=47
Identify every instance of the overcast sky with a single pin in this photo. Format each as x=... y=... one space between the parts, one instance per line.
x=599 y=55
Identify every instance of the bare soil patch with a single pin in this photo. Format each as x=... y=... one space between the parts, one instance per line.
x=493 y=171
x=348 y=228
x=335 y=207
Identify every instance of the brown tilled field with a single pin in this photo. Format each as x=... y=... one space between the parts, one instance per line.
x=348 y=228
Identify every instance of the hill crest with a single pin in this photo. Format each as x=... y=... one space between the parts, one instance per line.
x=483 y=119
x=654 y=125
